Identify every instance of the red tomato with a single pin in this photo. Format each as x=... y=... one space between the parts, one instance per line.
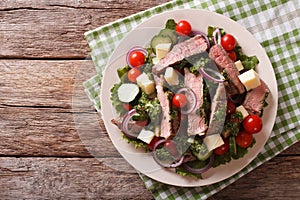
x=230 y=107
x=179 y=100
x=137 y=59
x=228 y=42
x=221 y=150
x=152 y=143
x=126 y=106
x=244 y=139
x=232 y=55
x=183 y=27
x=252 y=124
x=171 y=147
x=133 y=74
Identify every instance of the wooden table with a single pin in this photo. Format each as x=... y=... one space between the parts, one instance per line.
x=43 y=54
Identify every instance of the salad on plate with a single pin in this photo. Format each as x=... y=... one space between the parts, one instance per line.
x=192 y=99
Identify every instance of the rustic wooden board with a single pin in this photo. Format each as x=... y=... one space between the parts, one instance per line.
x=78 y=178
x=54 y=29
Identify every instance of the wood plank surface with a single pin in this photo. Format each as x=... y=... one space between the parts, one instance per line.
x=54 y=29
x=49 y=131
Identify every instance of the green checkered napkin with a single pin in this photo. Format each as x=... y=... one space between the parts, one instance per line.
x=274 y=23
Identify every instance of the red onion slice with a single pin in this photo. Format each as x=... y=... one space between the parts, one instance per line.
x=203 y=35
x=192 y=104
x=137 y=48
x=125 y=123
x=209 y=77
x=201 y=170
x=216 y=33
x=172 y=165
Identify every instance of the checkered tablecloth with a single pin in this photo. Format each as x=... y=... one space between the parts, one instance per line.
x=274 y=23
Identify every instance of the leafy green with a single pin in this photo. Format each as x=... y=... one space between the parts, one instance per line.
x=117 y=104
x=171 y=24
x=201 y=63
x=148 y=109
x=137 y=143
x=249 y=62
x=232 y=125
x=123 y=71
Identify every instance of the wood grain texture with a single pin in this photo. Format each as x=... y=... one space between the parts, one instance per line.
x=54 y=29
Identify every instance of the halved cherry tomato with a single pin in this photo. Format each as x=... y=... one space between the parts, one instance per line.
x=171 y=147
x=126 y=106
x=183 y=28
x=133 y=74
x=252 y=124
x=228 y=42
x=230 y=108
x=137 y=59
x=224 y=148
x=152 y=143
x=179 y=100
x=244 y=139
x=232 y=55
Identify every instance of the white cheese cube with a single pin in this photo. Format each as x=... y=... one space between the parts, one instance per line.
x=213 y=141
x=238 y=64
x=171 y=76
x=162 y=50
x=243 y=110
x=155 y=60
x=145 y=83
x=250 y=79
x=146 y=136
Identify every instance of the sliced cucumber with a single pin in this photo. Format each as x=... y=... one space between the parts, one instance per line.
x=232 y=145
x=170 y=33
x=203 y=154
x=159 y=39
x=127 y=92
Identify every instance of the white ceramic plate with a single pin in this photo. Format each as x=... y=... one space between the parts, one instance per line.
x=141 y=35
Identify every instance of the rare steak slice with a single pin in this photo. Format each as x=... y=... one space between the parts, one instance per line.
x=187 y=48
x=196 y=119
x=233 y=84
x=255 y=99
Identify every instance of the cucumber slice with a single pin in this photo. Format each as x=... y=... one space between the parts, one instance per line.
x=159 y=39
x=127 y=92
x=232 y=145
x=203 y=153
x=170 y=33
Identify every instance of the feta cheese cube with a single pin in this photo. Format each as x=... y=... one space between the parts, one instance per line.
x=238 y=64
x=147 y=85
x=243 y=110
x=155 y=60
x=171 y=76
x=146 y=135
x=213 y=141
x=162 y=50
x=250 y=79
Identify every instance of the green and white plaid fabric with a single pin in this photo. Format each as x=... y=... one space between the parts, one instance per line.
x=274 y=23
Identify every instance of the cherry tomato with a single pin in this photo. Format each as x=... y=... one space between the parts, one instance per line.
x=224 y=148
x=137 y=59
x=244 y=139
x=228 y=42
x=230 y=107
x=179 y=100
x=183 y=27
x=252 y=124
x=126 y=106
x=133 y=74
x=152 y=143
x=171 y=147
x=232 y=55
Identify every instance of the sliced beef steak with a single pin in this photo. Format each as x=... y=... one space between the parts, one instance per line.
x=166 y=129
x=255 y=99
x=192 y=46
x=219 y=55
x=196 y=119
